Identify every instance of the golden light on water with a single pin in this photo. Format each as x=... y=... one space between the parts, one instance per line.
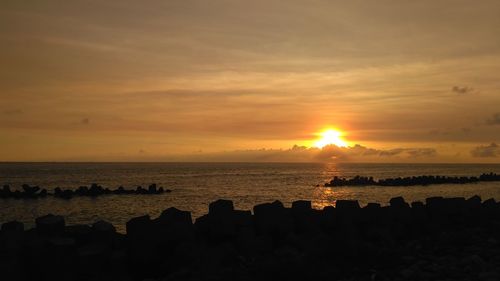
x=330 y=136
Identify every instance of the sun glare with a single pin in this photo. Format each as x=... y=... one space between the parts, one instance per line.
x=330 y=136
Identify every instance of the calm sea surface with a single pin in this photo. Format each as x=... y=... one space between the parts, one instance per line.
x=195 y=185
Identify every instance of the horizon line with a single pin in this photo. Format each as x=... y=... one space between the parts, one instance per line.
x=243 y=162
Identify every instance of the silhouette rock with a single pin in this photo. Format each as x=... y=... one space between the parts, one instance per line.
x=139 y=226
x=220 y=207
x=103 y=226
x=13 y=226
x=398 y=202
x=174 y=225
x=301 y=205
x=347 y=204
x=272 y=219
x=372 y=206
x=442 y=238
x=50 y=225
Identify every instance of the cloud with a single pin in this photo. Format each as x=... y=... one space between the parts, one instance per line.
x=466 y=130
x=494 y=120
x=421 y=152
x=462 y=90
x=356 y=153
x=364 y=151
x=391 y=152
x=492 y=150
x=406 y=152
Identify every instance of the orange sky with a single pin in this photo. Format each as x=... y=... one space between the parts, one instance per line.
x=409 y=81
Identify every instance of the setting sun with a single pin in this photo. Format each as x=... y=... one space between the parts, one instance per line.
x=330 y=136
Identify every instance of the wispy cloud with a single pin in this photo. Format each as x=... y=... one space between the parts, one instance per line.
x=494 y=120
x=462 y=90
x=488 y=151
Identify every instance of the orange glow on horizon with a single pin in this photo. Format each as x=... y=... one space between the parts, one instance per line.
x=330 y=136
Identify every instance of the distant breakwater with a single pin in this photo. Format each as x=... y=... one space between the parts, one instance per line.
x=410 y=181
x=95 y=190
x=439 y=239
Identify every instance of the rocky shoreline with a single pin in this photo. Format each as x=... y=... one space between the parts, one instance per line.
x=411 y=181
x=95 y=190
x=439 y=239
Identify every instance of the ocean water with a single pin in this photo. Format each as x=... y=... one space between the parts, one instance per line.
x=195 y=185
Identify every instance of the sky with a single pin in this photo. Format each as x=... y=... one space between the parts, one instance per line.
x=231 y=80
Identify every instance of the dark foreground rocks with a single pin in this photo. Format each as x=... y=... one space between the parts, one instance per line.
x=95 y=190
x=440 y=239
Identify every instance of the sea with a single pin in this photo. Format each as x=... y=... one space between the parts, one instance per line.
x=195 y=185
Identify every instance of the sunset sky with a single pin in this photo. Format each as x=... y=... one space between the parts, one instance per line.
x=403 y=81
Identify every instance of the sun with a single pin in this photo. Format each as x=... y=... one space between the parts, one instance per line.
x=330 y=136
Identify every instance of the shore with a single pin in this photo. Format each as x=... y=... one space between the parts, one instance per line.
x=95 y=190
x=424 y=180
x=439 y=239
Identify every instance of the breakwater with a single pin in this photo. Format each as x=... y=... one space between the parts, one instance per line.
x=411 y=181
x=441 y=238
x=95 y=190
